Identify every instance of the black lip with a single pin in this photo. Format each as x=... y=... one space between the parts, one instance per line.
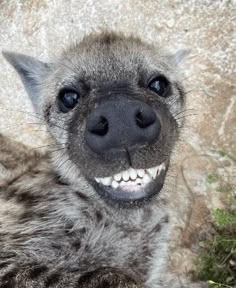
x=120 y=197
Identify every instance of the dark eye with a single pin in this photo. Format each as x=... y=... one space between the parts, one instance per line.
x=160 y=85
x=68 y=98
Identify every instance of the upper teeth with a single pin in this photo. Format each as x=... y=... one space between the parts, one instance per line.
x=132 y=177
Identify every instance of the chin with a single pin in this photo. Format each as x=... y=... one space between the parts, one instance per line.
x=132 y=186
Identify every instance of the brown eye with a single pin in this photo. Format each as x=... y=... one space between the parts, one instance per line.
x=68 y=99
x=160 y=85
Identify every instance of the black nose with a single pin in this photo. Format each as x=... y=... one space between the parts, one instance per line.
x=117 y=125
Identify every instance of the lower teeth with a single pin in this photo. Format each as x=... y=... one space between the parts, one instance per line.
x=137 y=182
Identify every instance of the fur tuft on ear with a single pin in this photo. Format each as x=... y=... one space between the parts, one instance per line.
x=179 y=56
x=31 y=71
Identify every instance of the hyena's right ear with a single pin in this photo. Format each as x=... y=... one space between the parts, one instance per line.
x=31 y=71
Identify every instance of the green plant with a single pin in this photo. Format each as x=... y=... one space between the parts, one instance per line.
x=224 y=218
x=224 y=153
x=217 y=262
x=224 y=188
x=211 y=178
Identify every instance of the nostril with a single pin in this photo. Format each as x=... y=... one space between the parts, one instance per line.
x=145 y=119
x=101 y=127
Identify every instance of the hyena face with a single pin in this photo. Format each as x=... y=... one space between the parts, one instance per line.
x=111 y=103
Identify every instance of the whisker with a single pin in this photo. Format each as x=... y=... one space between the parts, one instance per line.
x=24 y=124
x=192 y=90
x=35 y=114
x=173 y=101
x=49 y=145
x=60 y=149
x=185 y=116
x=24 y=112
x=184 y=111
x=68 y=66
x=38 y=130
x=193 y=75
x=63 y=163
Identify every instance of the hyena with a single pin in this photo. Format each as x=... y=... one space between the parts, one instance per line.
x=94 y=210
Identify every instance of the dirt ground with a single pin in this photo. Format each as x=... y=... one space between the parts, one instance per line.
x=43 y=27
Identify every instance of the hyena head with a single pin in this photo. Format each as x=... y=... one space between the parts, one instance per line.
x=110 y=102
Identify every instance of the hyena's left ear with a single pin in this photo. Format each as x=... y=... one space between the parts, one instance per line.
x=179 y=56
x=31 y=71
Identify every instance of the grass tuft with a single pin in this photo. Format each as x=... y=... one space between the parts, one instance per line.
x=217 y=261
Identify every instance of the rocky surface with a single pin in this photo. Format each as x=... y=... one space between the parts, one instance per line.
x=42 y=28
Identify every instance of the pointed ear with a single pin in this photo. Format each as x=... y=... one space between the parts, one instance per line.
x=179 y=56
x=31 y=71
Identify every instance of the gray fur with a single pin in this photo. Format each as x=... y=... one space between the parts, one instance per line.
x=31 y=71
x=55 y=230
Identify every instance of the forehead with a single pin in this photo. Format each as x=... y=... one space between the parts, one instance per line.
x=112 y=57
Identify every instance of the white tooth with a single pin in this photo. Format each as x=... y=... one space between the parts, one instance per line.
x=152 y=171
x=138 y=181
x=123 y=183
x=128 y=183
x=118 y=177
x=114 y=184
x=146 y=179
x=106 y=181
x=125 y=175
x=141 y=172
x=98 y=180
x=161 y=167
x=132 y=173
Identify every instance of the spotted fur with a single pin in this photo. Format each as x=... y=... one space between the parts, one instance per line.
x=55 y=230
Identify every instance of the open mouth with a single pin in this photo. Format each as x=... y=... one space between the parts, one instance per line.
x=132 y=184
